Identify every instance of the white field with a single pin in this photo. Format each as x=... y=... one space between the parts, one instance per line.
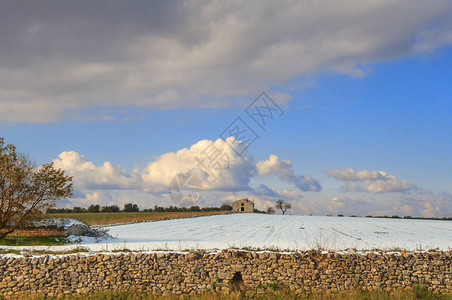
x=285 y=232
x=288 y=232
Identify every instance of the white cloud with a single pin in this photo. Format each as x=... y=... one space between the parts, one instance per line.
x=369 y=181
x=283 y=170
x=228 y=171
x=89 y=176
x=194 y=53
x=352 y=175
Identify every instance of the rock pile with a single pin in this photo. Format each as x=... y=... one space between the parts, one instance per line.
x=71 y=227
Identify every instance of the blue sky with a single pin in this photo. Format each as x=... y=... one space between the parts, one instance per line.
x=370 y=104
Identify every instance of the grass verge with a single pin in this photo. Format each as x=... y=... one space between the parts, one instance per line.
x=34 y=241
x=29 y=253
x=400 y=294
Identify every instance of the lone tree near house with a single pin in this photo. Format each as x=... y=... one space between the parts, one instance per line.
x=27 y=190
x=283 y=206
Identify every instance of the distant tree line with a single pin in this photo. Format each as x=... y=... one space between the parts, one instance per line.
x=399 y=217
x=129 y=207
x=183 y=209
x=410 y=217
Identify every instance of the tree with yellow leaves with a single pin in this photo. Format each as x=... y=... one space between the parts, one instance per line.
x=26 y=190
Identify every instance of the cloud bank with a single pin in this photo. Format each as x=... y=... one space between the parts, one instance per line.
x=58 y=59
x=384 y=194
x=107 y=182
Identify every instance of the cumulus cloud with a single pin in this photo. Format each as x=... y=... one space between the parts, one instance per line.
x=89 y=176
x=215 y=163
x=284 y=171
x=369 y=181
x=57 y=60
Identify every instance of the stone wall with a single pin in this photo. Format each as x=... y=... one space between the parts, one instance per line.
x=196 y=272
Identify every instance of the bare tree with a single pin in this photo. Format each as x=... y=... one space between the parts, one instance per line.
x=283 y=206
x=27 y=190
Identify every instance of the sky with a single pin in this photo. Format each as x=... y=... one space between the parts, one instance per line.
x=336 y=109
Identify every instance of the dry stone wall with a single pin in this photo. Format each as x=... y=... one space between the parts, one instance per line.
x=198 y=272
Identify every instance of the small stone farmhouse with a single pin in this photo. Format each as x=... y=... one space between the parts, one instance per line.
x=243 y=205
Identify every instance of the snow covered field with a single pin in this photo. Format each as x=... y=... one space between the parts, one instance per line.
x=275 y=231
x=285 y=232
